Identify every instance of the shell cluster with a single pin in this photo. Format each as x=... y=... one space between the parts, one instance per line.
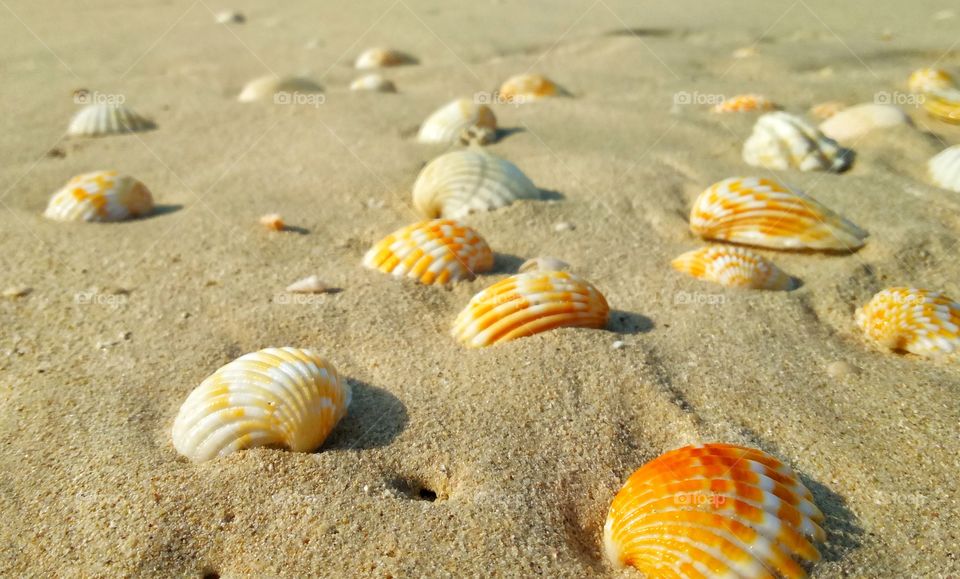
x=945 y=168
x=100 y=196
x=528 y=87
x=784 y=141
x=460 y=121
x=922 y=322
x=854 y=122
x=266 y=87
x=745 y=103
x=101 y=119
x=733 y=267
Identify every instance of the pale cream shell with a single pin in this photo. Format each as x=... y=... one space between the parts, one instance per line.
x=266 y=87
x=945 y=168
x=852 y=123
x=382 y=58
x=448 y=124
x=373 y=82
x=102 y=119
x=784 y=141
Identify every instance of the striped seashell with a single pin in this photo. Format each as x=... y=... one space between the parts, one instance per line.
x=432 y=252
x=856 y=121
x=716 y=510
x=745 y=103
x=266 y=87
x=783 y=141
x=100 y=196
x=382 y=58
x=922 y=322
x=528 y=87
x=459 y=183
x=943 y=105
x=527 y=304
x=945 y=168
x=373 y=82
x=927 y=80
x=277 y=397
x=825 y=110
x=451 y=122
x=103 y=119
x=733 y=267
x=761 y=212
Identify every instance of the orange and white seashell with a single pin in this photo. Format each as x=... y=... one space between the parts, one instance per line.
x=784 y=141
x=528 y=87
x=101 y=119
x=459 y=183
x=945 y=168
x=745 y=103
x=922 y=322
x=382 y=58
x=373 y=82
x=453 y=122
x=269 y=86
x=273 y=221
x=733 y=267
x=825 y=110
x=100 y=196
x=927 y=80
x=717 y=510
x=277 y=397
x=527 y=304
x=432 y=252
x=943 y=105
x=761 y=212
x=854 y=122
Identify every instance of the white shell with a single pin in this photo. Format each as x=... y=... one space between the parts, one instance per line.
x=545 y=263
x=266 y=86
x=381 y=58
x=464 y=182
x=945 y=168
x=450 y=123
x=309 y=285
x=784 y=141
x=100 y=196
x=856 y=121
x=373 y=82
x=101 y=119
x=230 y=17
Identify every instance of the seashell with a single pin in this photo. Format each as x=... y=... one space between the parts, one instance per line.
x=858 y=120
x=277 y=397
x=827 y=109
x=273 y=221
x=922 y=322
x=745 y=103
x=230 y=17
x=373 y=82
x=100 y=196
x=733 y=267
x=926 y=80
x=382 y=58
x=527 y=304
x=945 y=168
x=744 y=52
x=462 y=182
x=528 y=87
x=100 y=119
x=310 y=285
x=448 y=124
x=544 y=264
x=943 y=105
x=783 y=141
x=266 y=87
x=438 y=251
x=716 y=510
x=761 y=212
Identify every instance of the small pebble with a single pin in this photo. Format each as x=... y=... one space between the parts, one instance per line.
x=273 y=221
x=16 y=291
x=564 y=226
x=619 y=345
x=230 y=17
x=745 y=52
x=841 y=369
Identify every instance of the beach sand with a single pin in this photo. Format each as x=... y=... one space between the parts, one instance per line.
x=493 y=462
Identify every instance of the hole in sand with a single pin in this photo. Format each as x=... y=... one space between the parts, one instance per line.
x=418 y=490
x=427 y=495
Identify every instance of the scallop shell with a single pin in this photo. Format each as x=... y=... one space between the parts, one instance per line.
x=761 y=212
x=943 y=105
x=945 y=168
x=716 y=510
x=382 y=58
x=432 y=252
x=783 y=141
x=373 y=82
x=102 y=119
x=462 y=182
x=856 y=121
x=926 y=80
x=266 y=87
x=745 y=103
x=528 y=87
x=277 y=397
x=100 y=196
x=448 y=124
x=733 y=267
x=922 y=322
x=527 y=304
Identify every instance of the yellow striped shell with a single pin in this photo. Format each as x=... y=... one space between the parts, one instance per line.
x=100 y=196
x=943 y=105
x=462 y=182
x=451 y=123
x=102 y=119
x=927 y=80
x=528 y=87
x=382 y=58
x=733 y=267
x=716 y=510
x=373 y=82
x=438 y=251
x=761 y=212
x=854 y=122
x=745 y=103
x=265 y=87
x=277 y=397
x=945 y=168
x=527 y=304
x=922 y=322
x=784 y=141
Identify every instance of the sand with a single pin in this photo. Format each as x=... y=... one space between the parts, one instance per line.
x=497 y=462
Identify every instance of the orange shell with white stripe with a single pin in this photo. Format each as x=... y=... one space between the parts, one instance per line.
x=527 y=87
x=530 y=303
x=100 y=196
x=716 y=510
x=432 y=252
x=922 y=322
x=733 y=267
x=925 y=80
x=745 y=103
x=761 y=212
x=276 y=397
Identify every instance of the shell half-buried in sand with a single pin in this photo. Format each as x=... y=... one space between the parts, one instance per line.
x=382 y=58
x=432 y=252
x=456 y=121
x=854 y=122
x=733 y=267
x=528 y=87
x=763 y=213
x=945 y=168
x=784 y=141
x=716 y=510
x=269 y=87
x=100 y=196
x=373 y=82
x=277 y=397
x=102 y=119
x=922 y=322
x=527 y=304
x=745 y=103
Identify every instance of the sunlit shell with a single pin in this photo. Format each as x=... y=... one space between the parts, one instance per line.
x=527 y=304
x=945 y=168
x=438 y=251
x=449 y=123
x=544 y=264
x=266 y=87
x=462 y=182
x=310 y=285
x=528 y=87
x=761 y=212
x=943 y=105
x=277 y=397
x=382 y=58
x=927 y=80
x=373 y=82
x=827 y=109
x=745 y=103
x=230 y=17
x=922 y=322
x=100 y=196
x=854 y=122
x=733 y=267
x=102 y=119
x=716 y=510
x=273 y=221
x=784 y=141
